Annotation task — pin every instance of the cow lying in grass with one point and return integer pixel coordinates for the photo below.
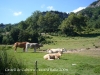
(52, 56)
(56, 50)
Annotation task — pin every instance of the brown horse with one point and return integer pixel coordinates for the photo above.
(20, 44)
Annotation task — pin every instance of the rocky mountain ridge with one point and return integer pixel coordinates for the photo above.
(95, 4)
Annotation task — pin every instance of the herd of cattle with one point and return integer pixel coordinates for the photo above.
(52, 53)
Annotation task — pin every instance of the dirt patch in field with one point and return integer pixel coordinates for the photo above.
(87, 51)
(91, 52)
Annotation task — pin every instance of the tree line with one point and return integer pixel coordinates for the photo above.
(60, 23)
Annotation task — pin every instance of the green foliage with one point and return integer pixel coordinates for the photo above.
(8, 27)
(23, 36)
(53, 23)
(44, 39)
(22, 25)
(32, 21)
(34, 36)
(1, 30)
(9, 64)
(74, 24)
(7, 39)
(49, 22)
(14, 34)
(93, 15)
(2, 27)
(1, 37)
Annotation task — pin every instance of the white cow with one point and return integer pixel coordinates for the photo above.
(52, 56)
(33, 45)
(56, 50)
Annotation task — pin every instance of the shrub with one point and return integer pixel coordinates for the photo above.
(9, 65)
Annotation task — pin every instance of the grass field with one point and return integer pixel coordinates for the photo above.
(86, 62)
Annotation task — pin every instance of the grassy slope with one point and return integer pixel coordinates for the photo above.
(85, 65)
(73, 42)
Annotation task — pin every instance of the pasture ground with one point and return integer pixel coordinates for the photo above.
(83, 57)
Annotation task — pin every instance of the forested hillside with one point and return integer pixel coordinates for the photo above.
(52, 22)
(93, 14)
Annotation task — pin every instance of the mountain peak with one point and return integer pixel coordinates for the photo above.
(95, 4)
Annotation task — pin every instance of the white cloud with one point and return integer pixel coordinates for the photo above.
(43, 5)
(78, 9)
(17, 13)
(67, 12)
(50, 8)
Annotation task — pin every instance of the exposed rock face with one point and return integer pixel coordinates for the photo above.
(95, 4)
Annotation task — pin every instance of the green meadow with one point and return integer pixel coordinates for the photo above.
(86, 62)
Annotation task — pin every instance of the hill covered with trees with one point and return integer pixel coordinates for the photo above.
(93, 14)
(52, 22)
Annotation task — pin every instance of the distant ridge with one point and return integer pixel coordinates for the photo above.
(2, 25)
(95, 4)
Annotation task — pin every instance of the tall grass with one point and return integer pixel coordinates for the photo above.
(9, 64)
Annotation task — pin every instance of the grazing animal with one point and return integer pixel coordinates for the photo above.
(33, 45)
(56, 50)
(52, 56)
(20, 44)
